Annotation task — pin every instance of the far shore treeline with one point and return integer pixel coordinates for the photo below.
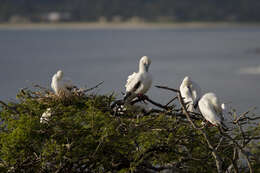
(130, 11)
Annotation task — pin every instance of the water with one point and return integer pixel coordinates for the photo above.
(210, 56)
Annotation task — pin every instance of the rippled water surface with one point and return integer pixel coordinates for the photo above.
(222, 60)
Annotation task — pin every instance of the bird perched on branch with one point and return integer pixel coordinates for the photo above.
(211, 110)
(139, 83)
(191, 93)
(61, 87)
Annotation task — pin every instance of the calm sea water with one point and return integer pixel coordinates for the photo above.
(213, 57)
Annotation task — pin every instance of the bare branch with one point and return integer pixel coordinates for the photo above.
(217, 158)
(167, 88)
(171, 100)
(156, 104)
(96, 86)
(240, 148)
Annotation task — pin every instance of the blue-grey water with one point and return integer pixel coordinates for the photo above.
(223, 60)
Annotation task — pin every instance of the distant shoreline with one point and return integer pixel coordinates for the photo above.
(123, 25)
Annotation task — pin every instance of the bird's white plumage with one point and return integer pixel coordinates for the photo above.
(131, 79)
(61, 86)
(191, 93)
(141, 81)
(211, 109)
(45, 116)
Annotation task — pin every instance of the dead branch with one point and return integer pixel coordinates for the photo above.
(171, 100)
(96, 86)
(241, 148)
(157, 104)
(167, 88)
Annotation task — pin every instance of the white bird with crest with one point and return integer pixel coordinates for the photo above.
(191, 93)
(139, 83)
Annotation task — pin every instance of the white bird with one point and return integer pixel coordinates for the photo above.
(211, 110)
(45, 116)
(61, 87)
(139, 83)
(191, 93)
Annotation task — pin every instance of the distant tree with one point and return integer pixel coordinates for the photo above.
(149, 10)
(85, 134)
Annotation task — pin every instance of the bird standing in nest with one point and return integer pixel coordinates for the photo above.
(61, 87)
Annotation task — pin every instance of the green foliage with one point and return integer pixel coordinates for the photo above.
(82, 134)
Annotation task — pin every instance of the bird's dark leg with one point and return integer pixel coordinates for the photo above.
(208, 124)
(142, 97)
(211, 125)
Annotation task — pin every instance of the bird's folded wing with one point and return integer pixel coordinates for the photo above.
(196, 92)
(186, 95)
(53, 81)
(131, 81)
(213, 114)
(219, 113)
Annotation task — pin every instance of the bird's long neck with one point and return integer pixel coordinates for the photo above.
(142, 68)
(59, 77)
